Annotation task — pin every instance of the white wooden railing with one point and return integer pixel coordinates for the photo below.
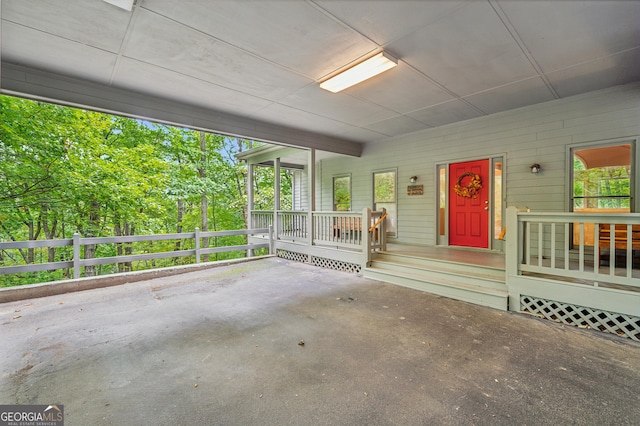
(328, 229)
(558, 245)
(261, 218)
(77, 242)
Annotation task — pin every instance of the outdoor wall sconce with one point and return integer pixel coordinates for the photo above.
(535, 168)
(413, 179)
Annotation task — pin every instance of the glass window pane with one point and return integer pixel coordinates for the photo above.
(384, 197)
(442, 178)
(497, 199)
(601, 178)
(342, 193)
(385, 187)
(601, 183)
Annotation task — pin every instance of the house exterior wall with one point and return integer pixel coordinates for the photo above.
(537, 134)
(300, 190)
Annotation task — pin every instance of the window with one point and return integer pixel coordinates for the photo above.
(497, 198)
(384, 197)
(601, 182)
(342, 193)
(442, 204)
(602, 179)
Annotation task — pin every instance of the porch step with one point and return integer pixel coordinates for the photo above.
(478, 284)
(449, 266)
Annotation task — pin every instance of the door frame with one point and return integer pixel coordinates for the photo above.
(442, 199)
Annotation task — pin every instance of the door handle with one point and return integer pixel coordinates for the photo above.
(486, 208)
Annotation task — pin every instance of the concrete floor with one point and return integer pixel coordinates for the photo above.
(223, 346)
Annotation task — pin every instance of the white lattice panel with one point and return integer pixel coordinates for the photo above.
(320, 261)
(335, 264)
(292, 255)
(610, 322)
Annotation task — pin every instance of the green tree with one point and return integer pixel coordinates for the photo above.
(65, 170)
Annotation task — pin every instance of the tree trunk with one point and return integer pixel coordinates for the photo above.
(181, 209)
(33, 235)
(128, 249)
(50, 232)
(92, 231)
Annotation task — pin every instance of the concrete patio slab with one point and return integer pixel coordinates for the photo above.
(274, 342)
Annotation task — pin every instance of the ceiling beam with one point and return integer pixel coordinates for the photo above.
(30, 83)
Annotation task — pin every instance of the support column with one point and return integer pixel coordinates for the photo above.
(250, 202)
(276, 196)
(311, 175)
(512, 254)
(250, 194)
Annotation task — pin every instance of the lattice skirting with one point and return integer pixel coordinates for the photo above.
(610, 322)
(292, 255)
(320, 261)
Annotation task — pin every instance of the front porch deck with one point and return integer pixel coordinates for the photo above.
(548, 267)
(492, 259)
(495, 259)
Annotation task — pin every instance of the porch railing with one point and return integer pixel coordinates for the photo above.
(568, 246)
(77, 243)
(261, 218)
(329, 229)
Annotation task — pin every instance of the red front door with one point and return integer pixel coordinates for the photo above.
(469, 204)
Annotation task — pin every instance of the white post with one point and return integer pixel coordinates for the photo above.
(366, 241)
(512, 253)
(276, 195)
(76, 255)
(311, 174)
(272, 245)
(383, 232)
(250, 194)
(197, 244)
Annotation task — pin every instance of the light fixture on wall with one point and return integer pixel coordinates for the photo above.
(535, 168)
(413, 179)
(360, 72)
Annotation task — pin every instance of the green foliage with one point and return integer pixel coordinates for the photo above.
(601, 187)
(385, 187)
(66, 170)
(342, 193)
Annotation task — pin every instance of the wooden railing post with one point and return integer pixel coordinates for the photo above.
(512, 246)
(197, 244)
(383, 231)
(76, 255)
(513, 254)
(272, 246)
(366, 240)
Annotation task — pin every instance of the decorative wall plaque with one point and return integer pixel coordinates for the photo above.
(415, 189)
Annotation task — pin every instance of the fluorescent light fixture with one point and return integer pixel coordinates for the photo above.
(361, 72)
(123, 4)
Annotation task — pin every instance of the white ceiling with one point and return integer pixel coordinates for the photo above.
(263, 60)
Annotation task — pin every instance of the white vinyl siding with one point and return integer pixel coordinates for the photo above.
(534, 134)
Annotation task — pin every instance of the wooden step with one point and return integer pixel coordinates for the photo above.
(458, 266)
(477, 278)
(470, 283)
